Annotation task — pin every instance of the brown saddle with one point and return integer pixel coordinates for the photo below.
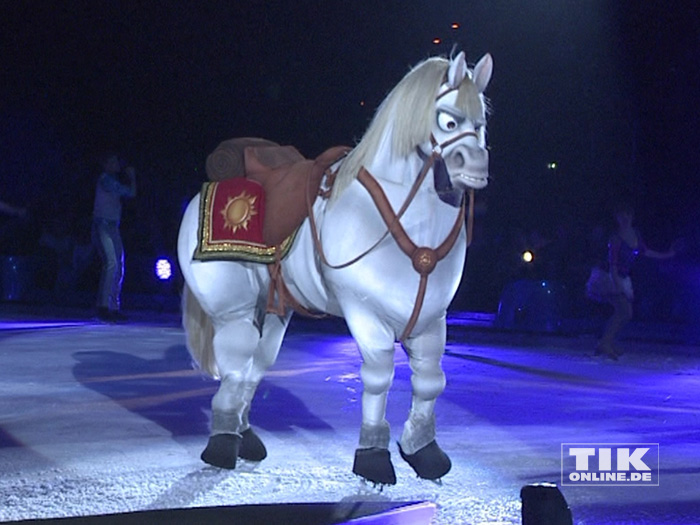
(287, 177)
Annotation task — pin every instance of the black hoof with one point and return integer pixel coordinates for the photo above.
(374, 464)
(430, 462)
(222, 450)
(252, 448)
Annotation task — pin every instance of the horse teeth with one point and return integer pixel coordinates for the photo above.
(469, 180)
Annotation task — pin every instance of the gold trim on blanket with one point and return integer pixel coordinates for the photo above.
(209, 249)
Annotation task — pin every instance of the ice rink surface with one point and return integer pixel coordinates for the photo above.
(100, 418)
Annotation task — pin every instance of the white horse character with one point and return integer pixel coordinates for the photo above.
(385, 252)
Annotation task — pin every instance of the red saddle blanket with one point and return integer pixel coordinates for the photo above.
(257, 199)
(231, 218)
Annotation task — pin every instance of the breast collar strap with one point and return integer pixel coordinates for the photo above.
(424, 259)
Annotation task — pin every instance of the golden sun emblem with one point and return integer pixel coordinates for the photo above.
(238, 211)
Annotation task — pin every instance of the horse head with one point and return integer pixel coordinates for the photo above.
(438, 112)
(458, 136)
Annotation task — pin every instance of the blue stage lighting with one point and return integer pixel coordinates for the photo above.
(163, 269)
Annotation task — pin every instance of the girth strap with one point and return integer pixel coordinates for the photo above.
(424, 259)
(284, 296)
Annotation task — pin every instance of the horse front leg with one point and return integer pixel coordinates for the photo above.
(375, 341)
(418, 445)
(243, 354)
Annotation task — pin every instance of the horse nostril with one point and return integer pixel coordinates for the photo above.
(460, 161)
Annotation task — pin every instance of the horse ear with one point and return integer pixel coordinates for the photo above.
(457, 70)
(482, 72)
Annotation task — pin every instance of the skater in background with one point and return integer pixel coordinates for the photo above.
(624, 247)
(117, 181)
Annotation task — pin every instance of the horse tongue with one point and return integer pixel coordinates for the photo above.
(443, 186)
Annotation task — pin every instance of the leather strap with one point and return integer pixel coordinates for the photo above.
(284, 296)
(427, 164)
(424, 259)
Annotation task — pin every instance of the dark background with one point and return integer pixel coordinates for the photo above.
(606, 89)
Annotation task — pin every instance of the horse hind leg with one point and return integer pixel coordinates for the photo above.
(273, 329)
(243, 354)
(418, 445)
(234, 344)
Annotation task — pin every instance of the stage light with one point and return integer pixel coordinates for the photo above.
(544, 504)
(455, 25)
(552, 166)
(163, 269)
(437, 40)
(528, 256)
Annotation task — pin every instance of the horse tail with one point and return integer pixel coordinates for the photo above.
(200, 333)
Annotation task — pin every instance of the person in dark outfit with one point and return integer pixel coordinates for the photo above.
(624, 247)
(114, 183)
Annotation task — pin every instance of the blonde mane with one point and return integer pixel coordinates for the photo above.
(410, 110)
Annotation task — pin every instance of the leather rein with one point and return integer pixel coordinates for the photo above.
(423, 258)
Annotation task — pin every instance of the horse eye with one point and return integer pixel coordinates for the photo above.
(446, 121)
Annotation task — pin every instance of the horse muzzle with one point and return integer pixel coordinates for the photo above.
(468, 167)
